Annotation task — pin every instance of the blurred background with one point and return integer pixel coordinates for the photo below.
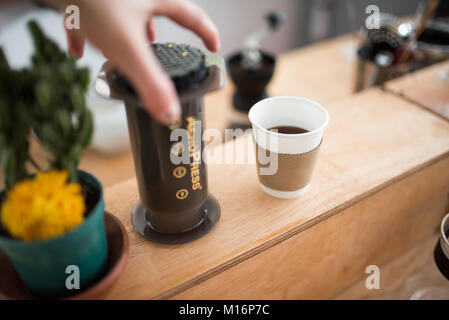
(308, 22)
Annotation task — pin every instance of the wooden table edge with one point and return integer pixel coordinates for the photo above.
(389, 87)
(167, 294)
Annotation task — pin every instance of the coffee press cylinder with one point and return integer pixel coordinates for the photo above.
(175, 205)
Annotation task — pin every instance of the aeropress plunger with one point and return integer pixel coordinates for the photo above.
(175, 205)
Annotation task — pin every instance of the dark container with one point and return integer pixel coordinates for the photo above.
(250, 84)
(433, 44)
(441, 251)
(175, 205)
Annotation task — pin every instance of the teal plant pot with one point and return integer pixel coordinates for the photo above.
(43, 265)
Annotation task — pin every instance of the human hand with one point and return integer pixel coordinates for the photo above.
(122, 30)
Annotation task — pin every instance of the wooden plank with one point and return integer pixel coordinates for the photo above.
(426, 88)
(412, 272)
(108, 169)
(374, 139)
(322, 260)
(323, 72)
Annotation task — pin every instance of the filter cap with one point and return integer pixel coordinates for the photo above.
(184, 64)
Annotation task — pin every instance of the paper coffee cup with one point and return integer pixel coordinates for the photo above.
(285, 162)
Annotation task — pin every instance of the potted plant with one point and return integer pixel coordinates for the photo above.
(51, 222)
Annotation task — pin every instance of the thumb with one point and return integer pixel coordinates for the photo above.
(154, 87)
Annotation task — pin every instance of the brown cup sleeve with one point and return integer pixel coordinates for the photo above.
(294, 171)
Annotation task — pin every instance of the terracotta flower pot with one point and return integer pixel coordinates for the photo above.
(43, 265)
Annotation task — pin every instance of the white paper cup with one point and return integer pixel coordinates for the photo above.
(296, 152)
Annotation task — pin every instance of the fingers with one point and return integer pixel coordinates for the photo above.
(151, 31)
(155, 88)
(192, 17)
(75, 42)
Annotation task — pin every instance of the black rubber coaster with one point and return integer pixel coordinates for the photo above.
(144, 228)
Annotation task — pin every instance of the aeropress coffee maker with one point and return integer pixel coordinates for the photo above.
(175, 206)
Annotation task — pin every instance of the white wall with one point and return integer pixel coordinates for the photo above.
(17, 44)
(235, 19)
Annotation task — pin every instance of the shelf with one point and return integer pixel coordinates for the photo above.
(380, 185)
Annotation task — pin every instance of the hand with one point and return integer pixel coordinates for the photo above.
(122, 30)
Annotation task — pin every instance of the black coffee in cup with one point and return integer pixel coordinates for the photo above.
(288, 130)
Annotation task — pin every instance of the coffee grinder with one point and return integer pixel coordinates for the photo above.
(175, 205)
(252, 69)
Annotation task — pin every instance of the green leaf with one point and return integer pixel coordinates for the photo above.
(44, 95)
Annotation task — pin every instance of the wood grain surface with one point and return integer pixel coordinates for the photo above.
(373, 141)
(412, 274)
(322, 260)
(426, 88)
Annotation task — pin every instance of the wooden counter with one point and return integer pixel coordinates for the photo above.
(412, 275)
(377, 196)
(380, 187)
(426, 88)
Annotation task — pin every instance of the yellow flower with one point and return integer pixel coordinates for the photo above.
(44, 207)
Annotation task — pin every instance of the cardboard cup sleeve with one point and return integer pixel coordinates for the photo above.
(294, 171)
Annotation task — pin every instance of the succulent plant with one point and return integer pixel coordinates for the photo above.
(48, 98)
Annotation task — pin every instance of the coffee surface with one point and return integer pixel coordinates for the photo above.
(289, 129)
